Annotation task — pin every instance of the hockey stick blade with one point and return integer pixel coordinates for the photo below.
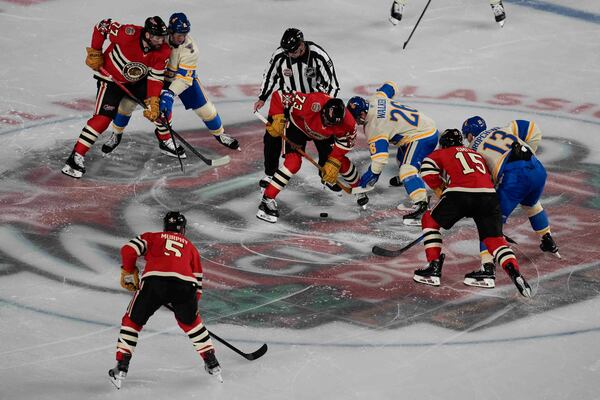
(217, 162)
(382, 251)
(360, 189)
(248, 356)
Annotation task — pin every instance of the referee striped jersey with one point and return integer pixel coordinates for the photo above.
(312, 72)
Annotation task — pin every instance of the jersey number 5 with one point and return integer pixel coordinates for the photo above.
(475, 158)
(172, 248)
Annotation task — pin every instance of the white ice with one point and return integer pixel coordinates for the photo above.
(57, 340)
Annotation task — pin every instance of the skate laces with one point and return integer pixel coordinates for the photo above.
(271, 204)
(498, 9)
(169, 143)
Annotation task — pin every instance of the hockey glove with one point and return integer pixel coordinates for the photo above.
(94, 58)
(166, 101)
(276, 127)
(369, 178)
(152, 109)
(331, 170)
(130, 280)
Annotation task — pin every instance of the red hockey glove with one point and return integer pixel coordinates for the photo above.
(94, 58)
(153, 109)
(276, 127)
(130, 280)
(331, 170)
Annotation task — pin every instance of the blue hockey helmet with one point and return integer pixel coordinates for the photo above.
(357, 105)
(451, 137)
(179, 23)
(474, 125)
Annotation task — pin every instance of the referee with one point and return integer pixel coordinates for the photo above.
(297, 65)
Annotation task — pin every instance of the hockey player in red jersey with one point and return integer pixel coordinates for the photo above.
(172, 275)
(461, 178)
(136, 57)
(312, 116)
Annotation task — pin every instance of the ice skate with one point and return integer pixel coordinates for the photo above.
(432, 274)
(520, 282)
(548, 245)
(395, 181)
(211, 365)
(228, 141)
(267, 210)
(119, 372)
(167, 147)
(362, 199)
(499, 13)
(112, 142)
(484, 278)
(396, 12)
(414, 218)
(74, 166)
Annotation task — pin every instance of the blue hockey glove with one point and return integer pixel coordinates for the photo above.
(369, 178)
(166, 101)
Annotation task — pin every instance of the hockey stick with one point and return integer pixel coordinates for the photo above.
(215, 163)
(296, 147)
(248, 356)
(168, 125)
(381, 251)
(417, 24)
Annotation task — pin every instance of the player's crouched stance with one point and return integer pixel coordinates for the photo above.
(172, 276)
(467, 192)
(136, 57)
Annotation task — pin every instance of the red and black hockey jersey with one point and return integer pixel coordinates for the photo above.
(305, 114)
(126, 58)
(167, 254)
(458, 169)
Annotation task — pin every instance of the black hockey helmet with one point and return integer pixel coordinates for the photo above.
(291, 39)
(174, 221)
(451, 137)
(333, 112)
(155, 26)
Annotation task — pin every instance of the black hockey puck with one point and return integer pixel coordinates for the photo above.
(324, 215)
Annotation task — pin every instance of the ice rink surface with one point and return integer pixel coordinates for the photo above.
(340, 322)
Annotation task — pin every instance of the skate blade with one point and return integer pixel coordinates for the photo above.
(432, 280)
(485, 283)
(557, 255)
(116, 382)
(71, 172)
(501, 23)
(266, 217)
(168, 153)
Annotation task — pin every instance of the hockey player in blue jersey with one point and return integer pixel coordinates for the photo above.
(386, 122)
(181, 80)
(520, 177)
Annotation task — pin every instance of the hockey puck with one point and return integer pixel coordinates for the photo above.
(324, 215)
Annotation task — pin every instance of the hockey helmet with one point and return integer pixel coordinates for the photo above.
(333, 112)
(174, 221)
(474, 125)
(357, 105)
(291, 39)
(451, 137)
(179, 23)
(155, 26)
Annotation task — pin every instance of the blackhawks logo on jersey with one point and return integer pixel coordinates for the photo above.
(134, 71)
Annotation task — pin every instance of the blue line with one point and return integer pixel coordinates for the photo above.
(337, 345)
(558, 9)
